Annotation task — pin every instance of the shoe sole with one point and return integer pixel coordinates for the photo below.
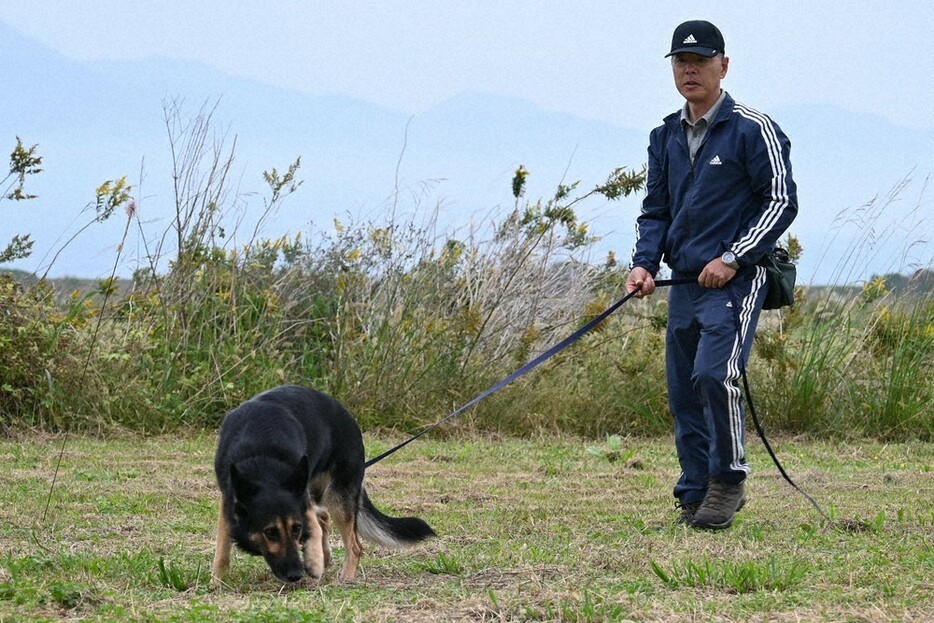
(719, 526)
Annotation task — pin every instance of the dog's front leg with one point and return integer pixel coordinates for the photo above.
(222, 545)
(314, 550)
(324, 520)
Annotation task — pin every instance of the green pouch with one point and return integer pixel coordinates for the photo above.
(780, 274)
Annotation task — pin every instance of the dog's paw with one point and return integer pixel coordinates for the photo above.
(315, 570)
(346, 577)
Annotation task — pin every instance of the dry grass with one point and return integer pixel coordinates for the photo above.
(531, 530)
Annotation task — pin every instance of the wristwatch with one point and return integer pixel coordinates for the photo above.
(729, 258)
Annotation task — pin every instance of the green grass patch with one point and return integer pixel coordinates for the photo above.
(736, 576)
(547, 529)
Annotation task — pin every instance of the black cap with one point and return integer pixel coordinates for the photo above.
(697, 37)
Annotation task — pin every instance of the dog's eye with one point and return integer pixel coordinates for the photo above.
(296, 531)
(271, 533)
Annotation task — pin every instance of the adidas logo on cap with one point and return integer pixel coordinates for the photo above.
(690, 39)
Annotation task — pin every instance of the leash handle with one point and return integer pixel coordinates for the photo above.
(678, 281)
(529, 366)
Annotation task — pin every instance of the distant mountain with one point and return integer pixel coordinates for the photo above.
(99, 120)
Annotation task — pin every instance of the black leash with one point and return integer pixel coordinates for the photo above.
(530, 365)
(755, 418)
(580, 333)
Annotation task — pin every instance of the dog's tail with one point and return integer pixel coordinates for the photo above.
(394, 532)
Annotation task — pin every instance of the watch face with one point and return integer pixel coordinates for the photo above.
(729, 257)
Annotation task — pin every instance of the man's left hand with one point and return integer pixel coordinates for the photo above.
(716, 274)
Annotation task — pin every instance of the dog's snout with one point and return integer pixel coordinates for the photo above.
(294, 575)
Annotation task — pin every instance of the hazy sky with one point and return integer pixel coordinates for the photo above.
(601, 60)
(598, 59)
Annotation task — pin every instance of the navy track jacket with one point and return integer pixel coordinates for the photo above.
(738, 194)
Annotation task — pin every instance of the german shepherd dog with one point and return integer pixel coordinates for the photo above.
(287, 461)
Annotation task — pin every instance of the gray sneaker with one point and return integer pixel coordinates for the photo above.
(720, 504)
(686, 515)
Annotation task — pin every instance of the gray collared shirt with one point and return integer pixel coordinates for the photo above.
(695, 132)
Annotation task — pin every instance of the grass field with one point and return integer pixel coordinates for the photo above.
(552, 529)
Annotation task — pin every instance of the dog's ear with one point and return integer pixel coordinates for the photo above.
(243, 488)
(298, 479)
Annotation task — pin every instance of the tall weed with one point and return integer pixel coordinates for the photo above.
(404, 322)
(852, 360)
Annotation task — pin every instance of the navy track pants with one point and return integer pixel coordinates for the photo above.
(704, 391)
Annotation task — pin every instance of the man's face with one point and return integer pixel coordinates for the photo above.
(698, 77)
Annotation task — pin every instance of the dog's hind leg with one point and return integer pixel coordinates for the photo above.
(353, 549)
(222, 545)
(314, 549)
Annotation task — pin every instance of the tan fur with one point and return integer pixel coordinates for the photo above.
(222, 548)
(315, 559)
(316, 551)
(324, 521)
(275, 546)
(353, 548)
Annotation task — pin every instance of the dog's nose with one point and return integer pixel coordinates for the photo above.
(294, 575)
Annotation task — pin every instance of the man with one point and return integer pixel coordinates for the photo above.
(719, 194)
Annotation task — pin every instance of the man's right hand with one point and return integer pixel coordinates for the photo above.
(639, 276)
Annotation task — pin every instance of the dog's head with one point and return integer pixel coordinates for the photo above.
(270, 518)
